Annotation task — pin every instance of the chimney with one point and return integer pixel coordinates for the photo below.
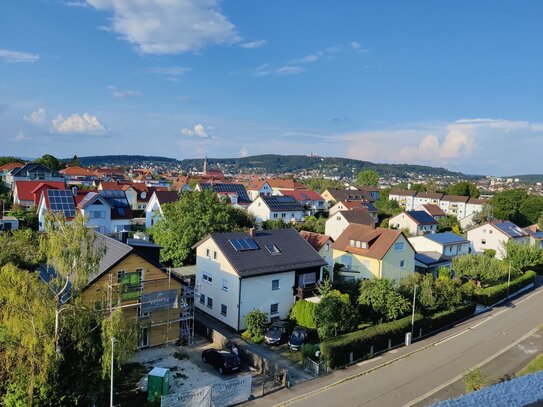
(124, 236)
(74, 191)
(251, 231)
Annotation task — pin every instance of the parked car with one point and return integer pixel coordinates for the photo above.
(277, 333)
(297, 338)
(222, 360)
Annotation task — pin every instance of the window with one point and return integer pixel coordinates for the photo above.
(327, 247)
(97, 215)
(275, 284)
(483, 241)
(209, 302)
(224, 310)
(274, 309)
(207, 252)
(398, 247)
(308, 279)
(202, 299)
(283, 215)
(351, 242)
(358, 243)
(225, 285)
(364, 245)
(214, 255)
(275, 215)
(402, 264)
(484, 230)
(207, 277)
(338, 217)
(490, 231)
(273, 249)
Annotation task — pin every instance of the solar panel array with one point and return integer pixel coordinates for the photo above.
(244, 244)
(116, 198)
(282, 203)
(87, 198)
(237, 188)
(61, 200)
(511, 229)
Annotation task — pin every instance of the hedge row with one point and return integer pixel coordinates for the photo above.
(336, 351)
(491, 295)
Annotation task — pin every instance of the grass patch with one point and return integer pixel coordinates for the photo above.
(181, 356)
(535, 365)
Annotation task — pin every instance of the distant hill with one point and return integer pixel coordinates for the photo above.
(273, 163)
(528, 178)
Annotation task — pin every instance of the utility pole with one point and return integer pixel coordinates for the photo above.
(413, 313)
(112, 367)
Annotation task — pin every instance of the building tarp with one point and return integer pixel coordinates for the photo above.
(159, 300)
(130, 286)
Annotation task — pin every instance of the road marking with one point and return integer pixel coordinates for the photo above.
(477, 366)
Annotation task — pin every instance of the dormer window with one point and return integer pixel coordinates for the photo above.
(357, 243)
(351, 243)
(364, 245)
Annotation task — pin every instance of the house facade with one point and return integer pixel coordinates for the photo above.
(422, 198)
(275, 207)
(153, 211)
(405, 198)
(417, 222)
(447, 244)
(237, 272)
(27, 193)
(369, 253)
(32, 172)
(311, 201)
(336, 224)
(494, 235)
(257, 188)
(322, 245)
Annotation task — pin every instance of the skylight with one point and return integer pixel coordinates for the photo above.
(273, 249)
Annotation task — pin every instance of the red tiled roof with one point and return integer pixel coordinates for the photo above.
(302, 195)
(77, 170)
(10, 166)
(25, 188)
(286, 183)
(111, 186)
(316, 240)
(255, 185)
(379, 240)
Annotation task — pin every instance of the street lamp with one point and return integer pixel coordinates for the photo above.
(413, 313)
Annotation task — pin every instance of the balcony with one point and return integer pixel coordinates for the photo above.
(305, 292)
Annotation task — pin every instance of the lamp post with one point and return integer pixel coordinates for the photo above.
(112, 367)
(413, 313)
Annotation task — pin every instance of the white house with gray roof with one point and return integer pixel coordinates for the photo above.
(494, 235)
(275, 207)
(237, 272)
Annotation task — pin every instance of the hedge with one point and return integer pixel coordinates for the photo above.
(336, 351)
(491, 295)
(304, 313)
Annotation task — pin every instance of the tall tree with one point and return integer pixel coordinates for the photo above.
(334, 314)
(382, 300)
(75, 161)
(188, 220)
(368, 178)
(506, 205)
(49, 161)
(463, 188)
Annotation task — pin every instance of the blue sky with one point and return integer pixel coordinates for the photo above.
(455, 84)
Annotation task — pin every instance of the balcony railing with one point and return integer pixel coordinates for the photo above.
(306, 292)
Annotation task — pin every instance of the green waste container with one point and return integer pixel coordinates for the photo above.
(158, 383)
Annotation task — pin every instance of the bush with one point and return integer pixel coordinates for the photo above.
(256, 322)
(490, 253)
(336, 351)
(308, 351)
(444, 318)
(304, 313)
(491, 295)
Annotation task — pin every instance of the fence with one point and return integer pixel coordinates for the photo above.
(316, 368)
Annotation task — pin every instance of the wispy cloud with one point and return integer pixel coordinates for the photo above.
(267, 69)
(122, 93)
(253, 44)
(243, 152)
(78, 4)
(169, 27)
(289, 70)
(38, 117)
(11, 56)
(357, 47)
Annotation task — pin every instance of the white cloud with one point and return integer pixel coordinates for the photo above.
(263, 70)
(18, 56)
(254, 44)
(290, 70)
(164, 27)
(38, 117)
(199, 130)
(243, 152)
(122, 93)
(20, 136)
(357, 47)
(79, 4)
(82, 124)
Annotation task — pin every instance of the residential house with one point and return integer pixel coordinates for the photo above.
(417, 222)
(27, 193)
(131, 277)
(422, 198)
(309, 199)
(237, 272)
(367, 253)
(79, 175)
(446, 243)
(235, 194)
(7, 222)
(275, 207)
(405, 198)
(110, 174)
(332, 196)
(536, 235)
(454, 205)
(322, 245)
(473, 207)
(348, 205)
(429, 262)
(373, 192)
(6, 168)
(335, 225)
(129, 190)
(153, 211)
(32, 172)
(494, 235)
(432, 209)
(257, 188)
(278, 184)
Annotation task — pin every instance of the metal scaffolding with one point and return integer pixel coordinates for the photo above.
(186, 333)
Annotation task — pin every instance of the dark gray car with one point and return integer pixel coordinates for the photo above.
(276, 334)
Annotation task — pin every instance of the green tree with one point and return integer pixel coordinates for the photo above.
(304, 313)
(271, 224)
(446, 223)
(188, 220)
(530, 210)
(21, 248)
(386, 207)
(256, 321)
(368, 178)
(7, 160)
(483, 268)
(49, 161)
(312, 224)
(322, 184)
(382, 300)
(75, 161)
(522, 256)
(507, 205)
(540, 221)
(334, 314)
(124, 335)
(463, 188)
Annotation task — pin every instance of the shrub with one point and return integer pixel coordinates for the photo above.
(493, 294)
(475, 380)
(304, 313)
(444, 318)
(256, 322)
(308, 351)
(490, 253)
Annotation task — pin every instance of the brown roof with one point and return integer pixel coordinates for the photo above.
(358, 217)
(402, 192)
(285, 183)
(316, 240)
(255, 185)
(379, 240)
(351, 194)
(455, 198)
(77, 170)
(476, 201)
(167, 196)
(433, 210)
(10, 166)
(430, 195)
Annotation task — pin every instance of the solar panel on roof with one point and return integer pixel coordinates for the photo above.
(61, 200)
(244, 244)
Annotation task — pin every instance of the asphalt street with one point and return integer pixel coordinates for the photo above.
(415, 375)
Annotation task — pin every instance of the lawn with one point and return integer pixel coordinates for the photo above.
(534, 366)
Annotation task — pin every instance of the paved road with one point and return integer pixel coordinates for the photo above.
(414, 379)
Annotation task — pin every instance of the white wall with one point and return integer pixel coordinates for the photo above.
(422, 244)
(493, 239)
(390, 264)
(408, 202)
(335, 225)
(103, 224)
(152, 212)
(262, 213)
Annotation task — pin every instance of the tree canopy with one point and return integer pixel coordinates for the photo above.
(191, 218)
(382, 301)
(334, 314)
(7, 160)
(463, 188)
(368, 178)
(517, 206)
(50, 161)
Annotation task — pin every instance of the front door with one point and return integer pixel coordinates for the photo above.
(144, 337)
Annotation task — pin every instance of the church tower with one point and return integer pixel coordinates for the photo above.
(205, 166)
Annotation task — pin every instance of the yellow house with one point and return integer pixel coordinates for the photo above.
(373, 253)
(130, 276)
